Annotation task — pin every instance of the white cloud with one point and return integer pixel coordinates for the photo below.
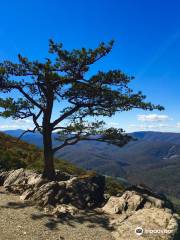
(178, 125)
(16, 124)
(8, 127)
(26, 121)
(153, 118)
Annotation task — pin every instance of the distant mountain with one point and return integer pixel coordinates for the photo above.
(29, 137)
(154, 159)
(158, 136)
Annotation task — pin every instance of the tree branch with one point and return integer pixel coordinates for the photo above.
(35, 118)
(67, 143)
(28, 97)
(65, 115)
(32, 131)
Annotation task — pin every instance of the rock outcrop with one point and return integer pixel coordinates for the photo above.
(146, 224)
(82, 192)
(3, 176)
(136, 198)
(138, 213)
(64, 210)
(141, 214)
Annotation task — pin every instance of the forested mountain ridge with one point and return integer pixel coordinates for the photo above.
(154, 159)
(20, 154)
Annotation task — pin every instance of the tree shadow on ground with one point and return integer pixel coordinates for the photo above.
(16, 205)
(1, 192)
(91, 219)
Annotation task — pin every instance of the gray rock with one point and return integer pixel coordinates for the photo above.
(87, 191)
(153, 223)
(135, 199)
(82, 192)
(15, 180)
(141, 214)
(3, 176)
(26, 195)
(64, 210)
(62, 176)
(46, 194)
(20, 180)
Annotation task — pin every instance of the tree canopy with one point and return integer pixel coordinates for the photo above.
(61, 82)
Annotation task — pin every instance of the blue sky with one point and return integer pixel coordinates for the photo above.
(147, 45)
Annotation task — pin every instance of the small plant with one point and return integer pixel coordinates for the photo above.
(113, 186)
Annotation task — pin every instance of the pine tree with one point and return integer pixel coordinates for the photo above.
(60, 82)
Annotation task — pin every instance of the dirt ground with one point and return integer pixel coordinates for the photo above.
(18, 221)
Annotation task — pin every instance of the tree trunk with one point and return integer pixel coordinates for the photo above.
(49, 171)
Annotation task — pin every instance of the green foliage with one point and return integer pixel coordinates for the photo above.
(20, 154)
(113, 186)
(8, 162)
(62, 77)
(176, 203)
(14, 155)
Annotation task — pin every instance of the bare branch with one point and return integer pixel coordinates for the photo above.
(65, 115)
(28, 97)
(35, 118)
(32, 131)
(59, 128)
(67, 142)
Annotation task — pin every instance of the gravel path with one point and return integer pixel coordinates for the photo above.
(21, 222)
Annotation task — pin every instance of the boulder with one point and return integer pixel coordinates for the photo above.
(27, 194)
(64, 210)
(15, 179)
(141, 214)
(34, 179)
(136, 198)
(45, 194)
(82, 192)
(3, 176)
(20, 180)
(153, 223)
(87, 191)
